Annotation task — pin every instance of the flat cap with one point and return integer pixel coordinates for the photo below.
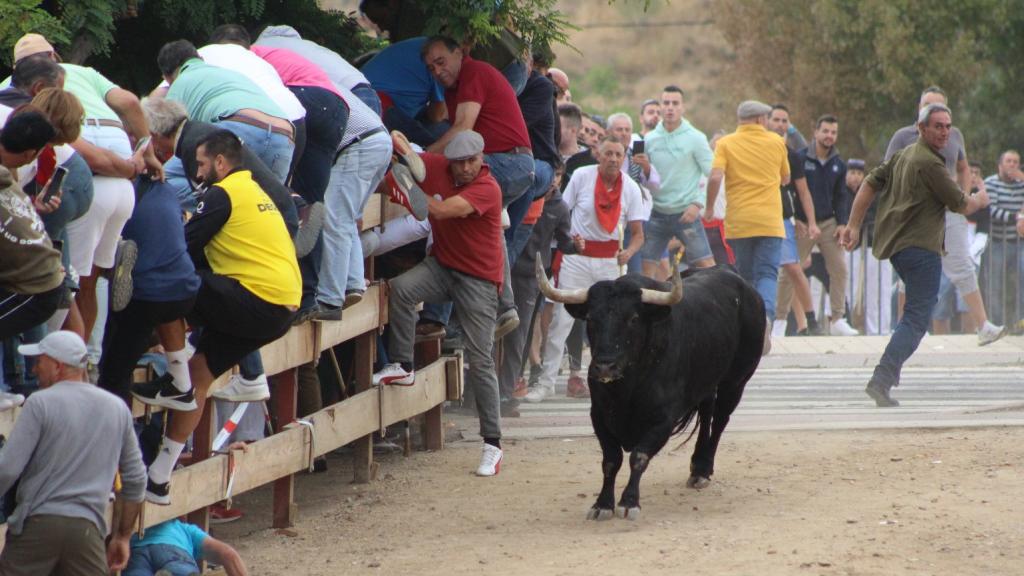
(752, 109)
(463, 145)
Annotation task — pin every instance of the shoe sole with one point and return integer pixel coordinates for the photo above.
(305, 238)
(166, 403)
(254, 397)
(409, 158)
(1003, 332)
(396, 382)
(157, 499)
(121, 285)
(224, 520)
(505, 328)
(351, 300)
(416, 198)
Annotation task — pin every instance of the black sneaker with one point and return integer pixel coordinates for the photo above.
(327, 312)
(159, 494)
(880, 394)
(161, 392)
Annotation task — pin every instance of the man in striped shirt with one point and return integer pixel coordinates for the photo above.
(1005, 263)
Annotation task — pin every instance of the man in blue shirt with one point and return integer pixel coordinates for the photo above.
(412, 100)
(176, 548)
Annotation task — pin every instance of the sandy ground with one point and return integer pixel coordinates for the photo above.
(853, 503)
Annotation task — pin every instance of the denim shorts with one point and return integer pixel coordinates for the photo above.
(662, 227)
(790, 255)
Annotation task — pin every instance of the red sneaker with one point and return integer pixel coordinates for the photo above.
(220, 514)
(407, 156)
(521, 388)
(577, 388)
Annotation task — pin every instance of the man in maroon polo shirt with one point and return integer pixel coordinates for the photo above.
(465, 265)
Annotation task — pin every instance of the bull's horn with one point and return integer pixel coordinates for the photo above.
(555, 294)
(664, 298)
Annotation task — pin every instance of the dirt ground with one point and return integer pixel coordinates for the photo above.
(929, 502)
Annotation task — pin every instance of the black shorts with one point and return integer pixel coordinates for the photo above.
(20, 312)
(235, 321)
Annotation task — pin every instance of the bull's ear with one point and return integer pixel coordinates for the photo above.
(656, 312)
(578, 311)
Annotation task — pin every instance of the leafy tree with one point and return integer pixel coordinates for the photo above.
(868, 60)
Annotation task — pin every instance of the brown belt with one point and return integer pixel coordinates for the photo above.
(103, 122)
(260, 124)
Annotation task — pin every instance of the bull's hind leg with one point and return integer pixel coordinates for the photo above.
(700, 467)
(730, 390)
(611, 461)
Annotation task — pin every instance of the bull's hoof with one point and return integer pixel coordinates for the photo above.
(632, 513)
(600, 514)
(698, 482)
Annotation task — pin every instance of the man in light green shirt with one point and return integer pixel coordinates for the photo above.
(681, 155)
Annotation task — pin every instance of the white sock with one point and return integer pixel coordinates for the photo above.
(160, 469)
(177, 365)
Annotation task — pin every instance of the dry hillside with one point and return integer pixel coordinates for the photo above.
(622, 55)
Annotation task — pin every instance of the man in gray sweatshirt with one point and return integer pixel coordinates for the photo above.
(68, 443)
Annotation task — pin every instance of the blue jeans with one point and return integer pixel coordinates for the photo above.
(543, 174)
(275, 150)
(146, 560)
(326, 117)
(757, 260)
(921, 271)
(368, 95)
(355, 176)
(662, 227)
(514, 173)
(517, 75)
(636, 263)
(174, 174)
(75, 198)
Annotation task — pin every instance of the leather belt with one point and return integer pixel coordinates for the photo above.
(359, 138)
(103, 122)
(242, 118)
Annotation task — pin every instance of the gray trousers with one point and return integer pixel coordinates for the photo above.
(514, 344)
(476, 303)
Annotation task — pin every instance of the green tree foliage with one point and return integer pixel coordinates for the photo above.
(18, 17)
(537, 22)
(868, 60)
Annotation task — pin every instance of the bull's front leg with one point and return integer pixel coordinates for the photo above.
(611, 462)
(629, 504)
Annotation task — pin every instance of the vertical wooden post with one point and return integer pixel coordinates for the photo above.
(285, 401)
(427, 352)
(362, 454)
(202, 438)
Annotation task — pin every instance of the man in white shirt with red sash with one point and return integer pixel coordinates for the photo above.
(603, 202)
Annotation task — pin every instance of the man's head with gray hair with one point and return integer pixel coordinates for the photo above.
(934, 124)
(931, 95)
(925, 114)
(164, 117)
(621, 125)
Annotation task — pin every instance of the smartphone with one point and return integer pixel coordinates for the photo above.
(638, 147)
(55, 183)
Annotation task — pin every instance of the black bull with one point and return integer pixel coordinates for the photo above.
(657, 359)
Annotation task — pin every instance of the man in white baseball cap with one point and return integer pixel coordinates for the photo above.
(68, 442)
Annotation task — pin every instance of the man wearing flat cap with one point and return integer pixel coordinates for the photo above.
(465, 265)
(754, 163)
(68, 443)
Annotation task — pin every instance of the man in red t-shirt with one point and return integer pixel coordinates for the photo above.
(479, 98)
(465, 265)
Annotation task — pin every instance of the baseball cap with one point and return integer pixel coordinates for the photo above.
(63, 346)
(855, 164)
(465, 144)
(752, 109)
(30, 44)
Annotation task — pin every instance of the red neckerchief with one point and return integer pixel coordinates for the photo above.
(608, 203)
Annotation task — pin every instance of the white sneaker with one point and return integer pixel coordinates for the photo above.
(9, 401)
(537, 394)
(490, 461)
(842, 328)
(779, 328)
(241, 390)
(989, 333)
(394, 375)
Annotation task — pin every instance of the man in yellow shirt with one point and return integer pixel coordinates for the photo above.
(250, 284)
(754, 164)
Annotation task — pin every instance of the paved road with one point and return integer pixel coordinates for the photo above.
(818, 384)
(828, 399)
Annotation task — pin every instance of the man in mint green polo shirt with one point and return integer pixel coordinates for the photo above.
(230, 100)
(681, 155)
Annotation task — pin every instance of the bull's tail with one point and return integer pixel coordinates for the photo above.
(684, 421)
